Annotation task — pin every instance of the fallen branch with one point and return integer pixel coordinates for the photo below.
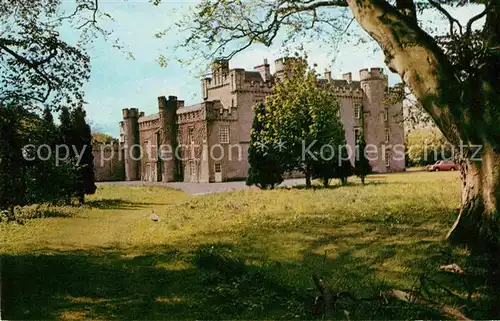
(444, 309)
(329, 298)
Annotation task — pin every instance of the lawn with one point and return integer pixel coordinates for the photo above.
(242, 254)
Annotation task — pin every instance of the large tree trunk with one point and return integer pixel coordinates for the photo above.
(426, 70)
(478, 222)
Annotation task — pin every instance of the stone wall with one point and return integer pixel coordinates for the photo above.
(108, 162)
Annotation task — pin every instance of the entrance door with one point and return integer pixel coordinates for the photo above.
(218, 172)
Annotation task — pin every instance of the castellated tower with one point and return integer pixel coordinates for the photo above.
(131, 144)
(283, 66)
(168, 166)
(376, 122)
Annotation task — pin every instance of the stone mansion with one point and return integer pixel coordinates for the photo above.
(208, 142)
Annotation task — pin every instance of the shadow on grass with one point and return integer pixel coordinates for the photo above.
(210, 283)
(214, 281)
(335, 186)
(113, 204)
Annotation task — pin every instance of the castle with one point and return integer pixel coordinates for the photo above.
(208, 142)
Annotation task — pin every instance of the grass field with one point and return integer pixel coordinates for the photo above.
(245, 254)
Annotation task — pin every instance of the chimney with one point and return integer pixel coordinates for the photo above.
(264, 70)
(348, 77)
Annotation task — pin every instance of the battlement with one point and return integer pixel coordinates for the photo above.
(130, 113)
(348, 91)
(372, 73)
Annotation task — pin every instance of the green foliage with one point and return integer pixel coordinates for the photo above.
(265, 169)
(361, 164)
(302, 123)
(101, 138)
(82, 142)
(38, 163)
(426, 146)
(11, 159)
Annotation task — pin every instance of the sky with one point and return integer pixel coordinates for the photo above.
(119, 81)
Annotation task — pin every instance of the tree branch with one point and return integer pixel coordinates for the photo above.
(474, 19)
(312, 6)
(451, 19)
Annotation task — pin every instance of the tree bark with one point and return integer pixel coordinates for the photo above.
(478, 219)
(308, 176)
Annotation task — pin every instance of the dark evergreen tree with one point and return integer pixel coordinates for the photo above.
(81, 137)
(343, 168)
(12, 187)
(362, 165)
(265, 170)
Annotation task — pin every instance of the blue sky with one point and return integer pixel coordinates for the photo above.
(118, 82)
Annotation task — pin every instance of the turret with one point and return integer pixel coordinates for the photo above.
(373, 84)
(284, 65)
(220, 69)
(328, 75)
(168, 142)
(347, 77)
(131, 144)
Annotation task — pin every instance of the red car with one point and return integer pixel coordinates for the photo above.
(443, 166)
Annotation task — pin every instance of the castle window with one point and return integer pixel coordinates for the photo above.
(192, 169)
(190, 134)
(386, 114)
(357, 133)
(217, 167)
(357, 111)
(387, 159)
(147, 145)
(387, 135)
(224, 134)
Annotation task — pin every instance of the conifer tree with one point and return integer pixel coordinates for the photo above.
(12, 187)
(362, 165)
(265, 170)
(81, 137)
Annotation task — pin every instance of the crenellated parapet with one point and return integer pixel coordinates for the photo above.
(130, 113)
(191, 114)
(371, 74)
(215, 111)
(149, 122)
(348, 92)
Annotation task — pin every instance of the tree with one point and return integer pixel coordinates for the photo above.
(361, 164)
(454, 76)
(81, 138)
(101, 138)
(426, 146)
(265, 169)
(48, 178)
(11, 160)
(302, 119)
